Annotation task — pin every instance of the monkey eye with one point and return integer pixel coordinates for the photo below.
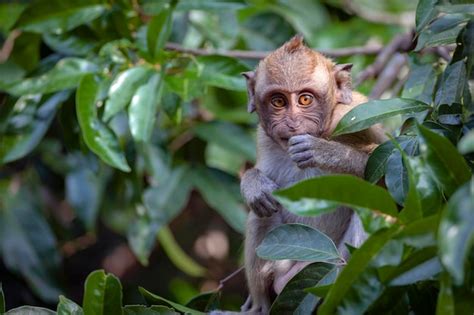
(305, 99)
(278, 101)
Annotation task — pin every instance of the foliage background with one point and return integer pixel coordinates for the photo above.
(118, 153)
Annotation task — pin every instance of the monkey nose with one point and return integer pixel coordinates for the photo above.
(293, 126)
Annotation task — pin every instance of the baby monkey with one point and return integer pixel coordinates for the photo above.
(299, 96)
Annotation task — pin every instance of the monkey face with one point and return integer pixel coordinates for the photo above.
(284, 114)
(295, 90)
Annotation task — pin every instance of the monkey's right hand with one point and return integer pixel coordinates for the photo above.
(256, 189)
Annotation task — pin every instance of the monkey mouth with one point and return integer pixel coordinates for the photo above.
(284, 139)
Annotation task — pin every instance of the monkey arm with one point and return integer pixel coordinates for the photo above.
(308, 151)
(256, 189)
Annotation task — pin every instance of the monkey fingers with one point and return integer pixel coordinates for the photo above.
(303, 159)
(299, 147)
(265, 205)
(276, 206)
(306, 138)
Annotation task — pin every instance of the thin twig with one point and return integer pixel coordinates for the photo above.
(369, 49)
(8, 45)
(400, 43)
(180, 141)
(388, 75)
(233, 274)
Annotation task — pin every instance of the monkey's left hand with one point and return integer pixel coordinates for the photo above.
(309, 151)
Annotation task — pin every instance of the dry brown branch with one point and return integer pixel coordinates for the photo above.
(233, 274)
(400, 43)
(388, 75)
(368, 49)
(8, 45)
(71, 247)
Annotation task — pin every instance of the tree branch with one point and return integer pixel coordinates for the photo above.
(400, 43)
(388, 75)
(8, 45)
(368, 49)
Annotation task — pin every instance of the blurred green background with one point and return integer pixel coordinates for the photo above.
(138, 173)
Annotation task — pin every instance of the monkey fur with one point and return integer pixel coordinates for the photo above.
(299, 96)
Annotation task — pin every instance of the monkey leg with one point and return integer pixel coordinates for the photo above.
(259, 272)
(285, 271)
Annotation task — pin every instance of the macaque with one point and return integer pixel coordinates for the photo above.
(299, 96)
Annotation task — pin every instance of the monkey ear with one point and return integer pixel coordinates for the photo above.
(250, 79)
(344, 83)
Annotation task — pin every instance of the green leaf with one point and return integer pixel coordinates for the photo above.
(298, 242)
(359, 261)
(98, 137)
(102, 294)
(35, 258)
(376, 165)
(143, 108)
(456, 231)
(421, 233)
(9, 13)
(307, 17)
(2, 300)
(421, 82)
(452, 84)
(466, 144)
(205, 302)
(159, 30)
(83, 192)
(344, 189)
(423, 271)
(448, 167)
(66, 74)
(457, 8)
(179, 258)
(372, 112)
(30, 310)
(445, 303)
(58, 16)
(425, 13)
(294, 299)
(70, 44)
(163, 203)
(16, 146)
(307, 206)
(68, 307)
(430, 38)
(153, 299)
(152, 310)
(396, 178)
(223, 72)
(122, 89)
(221, 195)
(210, 5)
(465, 47)
(413, 209)
(228, 136)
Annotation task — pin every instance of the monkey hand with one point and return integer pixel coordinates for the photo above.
(257, 191)
(309, 151)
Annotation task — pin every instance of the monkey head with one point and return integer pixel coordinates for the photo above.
(295, 89)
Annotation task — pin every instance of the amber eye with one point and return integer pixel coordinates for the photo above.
(305, 99)
(278, 101)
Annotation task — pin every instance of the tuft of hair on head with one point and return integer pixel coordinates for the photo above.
(294, 44)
